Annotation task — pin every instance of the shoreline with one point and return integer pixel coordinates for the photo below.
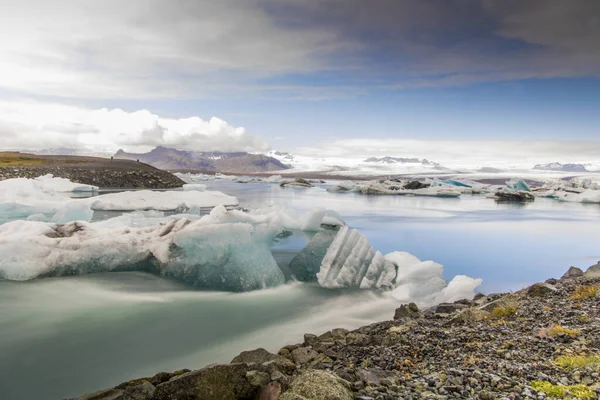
(532, 343)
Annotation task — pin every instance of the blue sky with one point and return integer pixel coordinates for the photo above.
(291, 74)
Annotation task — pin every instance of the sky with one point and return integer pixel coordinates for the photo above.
(418, 78)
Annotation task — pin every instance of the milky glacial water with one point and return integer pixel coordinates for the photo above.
(61, 337)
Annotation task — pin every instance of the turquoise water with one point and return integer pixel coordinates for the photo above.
(61, 337)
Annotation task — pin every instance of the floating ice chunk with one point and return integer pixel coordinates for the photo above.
(350, 261)
(589, 196)
(345, 186)
(21, 198)
(49, 182)
(219, 256)
(226, 256)
(273, 179)
(312, 220)
(454, 182)
(73, 211)
(161, 201)
(518, 184)
(422, 281)
(306, 264)
(194, 186)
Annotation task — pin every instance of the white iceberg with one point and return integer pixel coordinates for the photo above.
(21, 198)
(230, 256)
(350, 261)
(49, 182)
(194, 186)
(160, 201)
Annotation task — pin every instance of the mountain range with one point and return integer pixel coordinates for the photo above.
(180, 160)
(556, 166)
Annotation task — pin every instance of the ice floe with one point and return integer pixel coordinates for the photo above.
(160, 201)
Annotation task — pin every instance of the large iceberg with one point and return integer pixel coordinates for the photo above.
(64, 185)
(229, 256)
(225, 250)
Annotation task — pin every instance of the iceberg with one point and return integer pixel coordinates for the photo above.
(350, 261)
(21, 198)
(518, 184)
(345, 186)
(194, 186)
(49, 182)
(306, 264)
(160, 201)
(224, 250)
(230, 256)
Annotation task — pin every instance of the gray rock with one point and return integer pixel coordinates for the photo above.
(407, 311)
(573, 272)
(377, 377)
(257, 356)
(307, 263)
(540, 289)
(470, 315)
(448, 308)
(110, 394)
(258, 378)
(359, 339)
(143, 391)
(219, 382)
(271, 391)
(318, 385)
(593, 271)
(304, 355)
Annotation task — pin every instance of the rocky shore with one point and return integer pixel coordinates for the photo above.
(541, 342)
(102, 172)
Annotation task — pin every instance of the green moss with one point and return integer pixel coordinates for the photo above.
(574, 362)
(563, 392)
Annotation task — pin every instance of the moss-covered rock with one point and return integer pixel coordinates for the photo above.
(318, 385)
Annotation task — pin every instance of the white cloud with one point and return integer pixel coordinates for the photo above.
(462, 153)
(34, 126)
(148, 48)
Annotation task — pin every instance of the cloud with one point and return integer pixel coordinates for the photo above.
(461, 153)
(143, 49)
(34, 126)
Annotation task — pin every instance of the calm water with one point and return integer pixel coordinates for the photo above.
(61, 337)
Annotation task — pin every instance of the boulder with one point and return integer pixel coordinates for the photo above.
(109, 394)
(257, 356)
(407, 311)
(318, 385)
(358, 339)
(470, 315)
(593, 271)
(377, 377)
(448, 308)
(573, 272)
(272, 391)
(540, 289)
(218, 382)
(304, 355)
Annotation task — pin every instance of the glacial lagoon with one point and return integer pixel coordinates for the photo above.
(61, 337)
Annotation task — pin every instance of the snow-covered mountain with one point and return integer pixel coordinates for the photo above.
(556, 166)
(179, 160)
(355, 166)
